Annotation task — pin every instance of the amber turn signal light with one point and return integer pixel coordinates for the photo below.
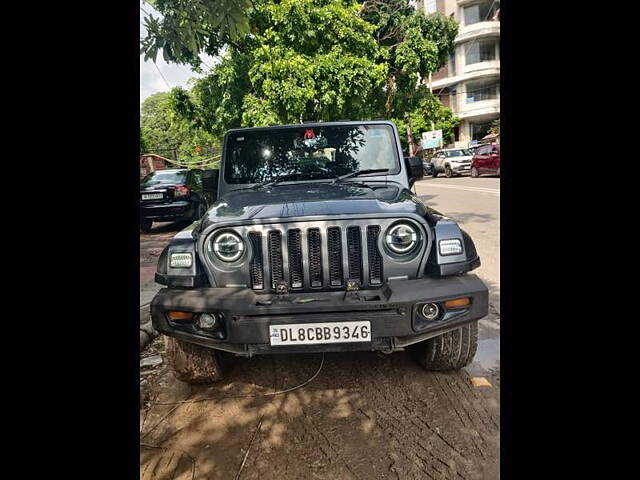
(458, 302)
(180, 315)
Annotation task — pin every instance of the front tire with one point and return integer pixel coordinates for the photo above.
(192, 363)
(448, 172)
(474, 172)
(145, 225)
(449, 351)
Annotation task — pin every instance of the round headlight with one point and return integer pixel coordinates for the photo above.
(402, 238)
(227, 246)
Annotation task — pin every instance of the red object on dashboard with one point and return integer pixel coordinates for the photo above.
(308, 133)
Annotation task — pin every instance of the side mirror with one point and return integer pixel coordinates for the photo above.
(210, 183)
(415, 169)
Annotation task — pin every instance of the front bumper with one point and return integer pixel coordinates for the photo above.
(460, 169)
(392, 311)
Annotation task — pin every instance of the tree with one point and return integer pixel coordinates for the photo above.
(495, 127)
(165, 133)
(305, 60)
(308, 60)
(188, 28)
(416, 45)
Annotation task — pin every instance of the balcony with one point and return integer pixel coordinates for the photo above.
(478, 109)
(475, 71)
(478, 30)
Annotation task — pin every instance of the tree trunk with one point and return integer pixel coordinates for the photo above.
(412, 145)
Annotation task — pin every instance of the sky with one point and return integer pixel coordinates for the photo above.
(175, 75)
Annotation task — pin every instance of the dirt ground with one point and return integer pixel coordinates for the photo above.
(365, 415)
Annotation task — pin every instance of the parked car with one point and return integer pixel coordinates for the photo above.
(427, 167)
(169, 195)
(486, 160)
(451, 162)
(315, 243)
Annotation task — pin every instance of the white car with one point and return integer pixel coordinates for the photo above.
(452, 162)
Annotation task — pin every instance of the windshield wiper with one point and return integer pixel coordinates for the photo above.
(360, 172)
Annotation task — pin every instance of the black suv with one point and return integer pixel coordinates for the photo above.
(169, 195)
(315, 243)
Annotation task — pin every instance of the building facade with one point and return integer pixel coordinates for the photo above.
(469, 83)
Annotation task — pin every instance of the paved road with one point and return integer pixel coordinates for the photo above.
(366, 415)
(475, 204)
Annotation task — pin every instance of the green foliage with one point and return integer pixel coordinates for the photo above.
(164, 132)
(429, 110)
(305, 60)
(189, 27)
(495, 127)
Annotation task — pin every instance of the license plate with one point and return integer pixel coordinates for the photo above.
(151, 196)
(315, 333)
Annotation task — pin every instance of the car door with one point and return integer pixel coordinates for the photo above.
(481, 159)
(494, 158)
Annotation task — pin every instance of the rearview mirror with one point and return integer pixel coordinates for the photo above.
(210, 183)
(415, 170)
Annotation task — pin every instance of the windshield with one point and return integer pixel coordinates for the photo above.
(308, 153)
(160, 178)
(458, 153)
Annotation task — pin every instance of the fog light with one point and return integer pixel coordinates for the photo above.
(180, 316)
(430, 311)
(207, 321)
(458, 302)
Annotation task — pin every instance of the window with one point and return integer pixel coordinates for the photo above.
(431, 6)
(452, 65)
(481, 51)
(480, 12)
(165, 177)
(476, 92)
(303, 153)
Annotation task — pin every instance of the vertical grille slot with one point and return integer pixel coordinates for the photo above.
(275, 257)
(375, 259)
(334, 244)
(294, 246)
(315, 257)
(354, 250)
(256, 266)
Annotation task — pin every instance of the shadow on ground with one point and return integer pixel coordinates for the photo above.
(366, 415)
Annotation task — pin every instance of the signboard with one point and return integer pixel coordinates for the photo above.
(432, 139)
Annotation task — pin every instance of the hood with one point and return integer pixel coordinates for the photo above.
(314, 199)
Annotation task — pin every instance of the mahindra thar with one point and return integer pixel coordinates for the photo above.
(316, 243)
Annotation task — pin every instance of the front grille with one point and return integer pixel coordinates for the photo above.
(354, 248)
(375, 259)
(314, 256)
(275, 257)
(256, 266)
(294, 246)
(334, 243)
